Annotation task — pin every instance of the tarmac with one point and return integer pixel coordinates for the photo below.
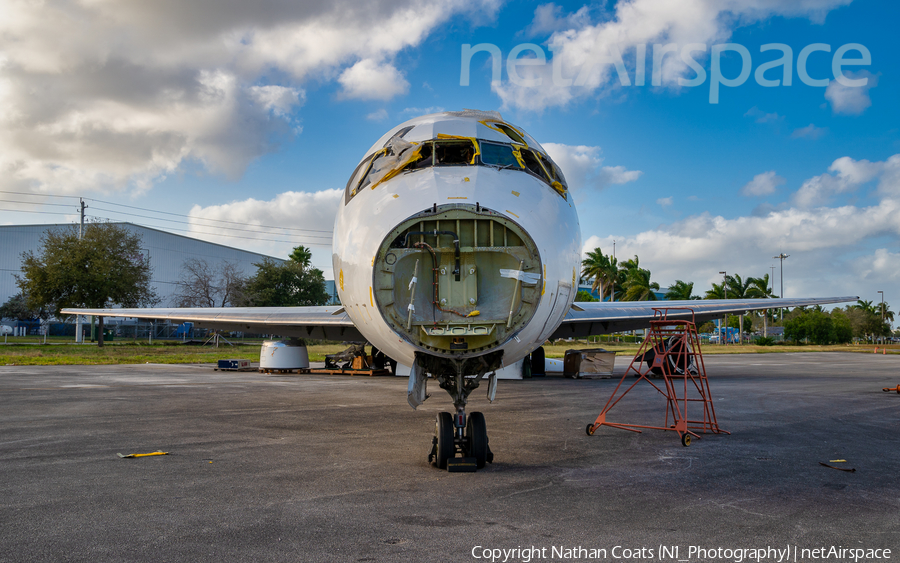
(334, 468)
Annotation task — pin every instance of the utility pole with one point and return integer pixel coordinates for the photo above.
(725, 293)
(79, 338)
(612, 296)
(781, 257)
(882, 309)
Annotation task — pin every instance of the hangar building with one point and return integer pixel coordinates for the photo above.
(167, 253)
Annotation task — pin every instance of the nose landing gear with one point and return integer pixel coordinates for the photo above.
(460, 435)
(460, 442)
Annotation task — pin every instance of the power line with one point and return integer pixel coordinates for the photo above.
(199, 218)
(150, 211)
(37, 195)
(189, 223)
(40, 212)
(213, 234)
(33, 203)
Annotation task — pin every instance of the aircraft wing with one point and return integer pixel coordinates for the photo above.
(605, 317)
(328, 323)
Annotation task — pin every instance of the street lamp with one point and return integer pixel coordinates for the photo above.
(725, 294)
(882, 310)
(781, 257)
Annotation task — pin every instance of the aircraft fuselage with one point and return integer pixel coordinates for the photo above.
(465, 249)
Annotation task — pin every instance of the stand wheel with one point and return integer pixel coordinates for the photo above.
(685, 439)
(589, 429)
(476, 431)
(443, 433)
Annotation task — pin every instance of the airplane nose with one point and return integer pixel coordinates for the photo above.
(457, 279)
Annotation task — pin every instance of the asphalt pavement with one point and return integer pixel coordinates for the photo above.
(334, 468)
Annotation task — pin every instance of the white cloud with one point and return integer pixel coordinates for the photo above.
(846, 176)
(851, 100)
(421, 111)
(889, 184)
(379, 115)
(762, 117)
(583, 167)
(295, 218)
(101, 96)
(579, 49)
(824, 243)
(371, 80)
(280, 100)
(548, 18)
(665, 201)
(809, 132)
(762, 184)
(883, 265)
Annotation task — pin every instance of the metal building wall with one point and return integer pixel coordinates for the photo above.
(167, 252)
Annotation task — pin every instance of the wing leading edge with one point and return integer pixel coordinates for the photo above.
(328, 323)
(602, 318)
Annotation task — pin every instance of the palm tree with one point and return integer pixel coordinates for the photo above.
(637, 284)
(759, 289)
(737, 289)
(884, 309)
(866, 306)
(681, 290)
(602, 269)
(717, 291)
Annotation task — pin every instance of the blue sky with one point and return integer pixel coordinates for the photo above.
(226, 114)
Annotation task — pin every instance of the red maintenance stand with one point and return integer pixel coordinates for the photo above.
(670, 351)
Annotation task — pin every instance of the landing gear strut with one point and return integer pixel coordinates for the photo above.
(462, 435)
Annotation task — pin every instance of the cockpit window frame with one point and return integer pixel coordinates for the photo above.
(528, 159)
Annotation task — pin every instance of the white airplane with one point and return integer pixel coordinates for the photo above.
(457, 251)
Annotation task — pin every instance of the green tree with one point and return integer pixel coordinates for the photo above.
(865, 306)
(106, 267)
(737, 287)
(636, 283)
(301, 255)
(584, 297)
(865, 317)
(717, 291)
(16, 307)
(843, 329)
(681, 290)
(818, 327)
(884, 309)
(293, 283)
(602, 269)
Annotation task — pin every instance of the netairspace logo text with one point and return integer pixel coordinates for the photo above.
(768, 554)
(608, 58)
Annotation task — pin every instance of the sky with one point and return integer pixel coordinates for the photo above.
(700, 135)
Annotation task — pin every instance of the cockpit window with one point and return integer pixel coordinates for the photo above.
(426, 157)
(357, 175)
(555, 173)
(496, 154)
(534, 166)
(401, 133)
(454, 153)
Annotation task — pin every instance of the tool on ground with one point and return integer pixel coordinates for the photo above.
(848, 470)
(123, 456)
(897, 389)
